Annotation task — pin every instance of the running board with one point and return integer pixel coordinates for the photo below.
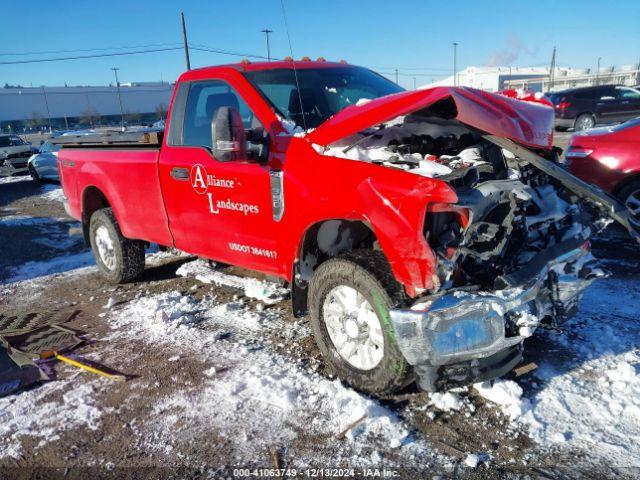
(611, 206)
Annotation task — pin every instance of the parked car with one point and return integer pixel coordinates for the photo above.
(586, 107)
(44, 164)
(14, 155)
(417, 243)
(609, 157)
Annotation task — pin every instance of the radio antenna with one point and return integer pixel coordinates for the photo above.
(295, 72)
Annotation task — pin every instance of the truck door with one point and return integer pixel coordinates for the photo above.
(220, 210)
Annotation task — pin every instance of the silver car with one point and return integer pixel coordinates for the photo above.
(44, 164)
(14, 153)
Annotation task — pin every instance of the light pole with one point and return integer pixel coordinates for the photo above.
(46, 102)
(266, 31)
(598, 71)
(455, 64)
(184, 40)
(115, 71)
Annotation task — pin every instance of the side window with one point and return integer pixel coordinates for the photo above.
(628, 94)
(202, 101)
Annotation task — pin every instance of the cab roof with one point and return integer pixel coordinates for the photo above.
(247, 66)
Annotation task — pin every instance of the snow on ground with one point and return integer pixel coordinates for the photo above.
(35, 269)
(266, 292)
(53, 193)
(21, 178)
(33, 413)
(590, 402)
(251, 395)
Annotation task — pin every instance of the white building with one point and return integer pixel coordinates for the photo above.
(20, 104)
(491, 79)
(494, 79)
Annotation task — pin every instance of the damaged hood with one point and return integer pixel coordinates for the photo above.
(527, 123)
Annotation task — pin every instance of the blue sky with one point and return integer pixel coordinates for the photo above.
(413, 36)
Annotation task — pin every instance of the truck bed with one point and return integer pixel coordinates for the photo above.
(125, 173)
(111, 140)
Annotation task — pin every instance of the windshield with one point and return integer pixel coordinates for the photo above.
(554, 97)
(323, 91)
(11, 141)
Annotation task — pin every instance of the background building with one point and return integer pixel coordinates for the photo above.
(25, 109)
(494, 79)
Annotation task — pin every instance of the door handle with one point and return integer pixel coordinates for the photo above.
(180, 173)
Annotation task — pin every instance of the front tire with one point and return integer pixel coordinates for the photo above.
(630, 196)
(119, 259)
(349, 301)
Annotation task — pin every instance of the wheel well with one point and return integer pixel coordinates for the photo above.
(92, 199)
(322, 241)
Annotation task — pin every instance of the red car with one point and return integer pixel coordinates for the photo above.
(609, 157)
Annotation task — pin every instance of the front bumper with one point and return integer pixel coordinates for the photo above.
(13, 166)
(465, 336)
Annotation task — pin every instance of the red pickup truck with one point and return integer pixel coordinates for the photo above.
(426, 233)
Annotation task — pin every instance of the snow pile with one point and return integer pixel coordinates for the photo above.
(262, 399)
(61, 264)
(53, 193)
(595, 399)
(506, 393)
(266, 292)
(253, 396)
(21, 178)
(446, 401)
(472, 460)
(33, 414)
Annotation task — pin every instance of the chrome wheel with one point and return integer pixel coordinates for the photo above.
(354, 327)
(633, 204)
(585, 122)
(106, 250)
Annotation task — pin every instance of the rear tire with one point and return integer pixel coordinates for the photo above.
(119, 259)
(630, 196)
(367, 328)
(584, 122)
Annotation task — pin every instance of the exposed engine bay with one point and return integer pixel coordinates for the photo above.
(510, 211)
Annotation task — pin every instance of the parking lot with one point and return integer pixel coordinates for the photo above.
(219, 377)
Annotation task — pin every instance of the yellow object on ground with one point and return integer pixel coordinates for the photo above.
(75, 363)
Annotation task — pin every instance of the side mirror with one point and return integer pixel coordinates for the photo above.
(228, 139)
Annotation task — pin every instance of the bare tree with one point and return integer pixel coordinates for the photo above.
(132, 117)
(161, 111)
(35, 121)
(90, 116)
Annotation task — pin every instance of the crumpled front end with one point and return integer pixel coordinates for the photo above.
(466, 336)
(513, 254)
